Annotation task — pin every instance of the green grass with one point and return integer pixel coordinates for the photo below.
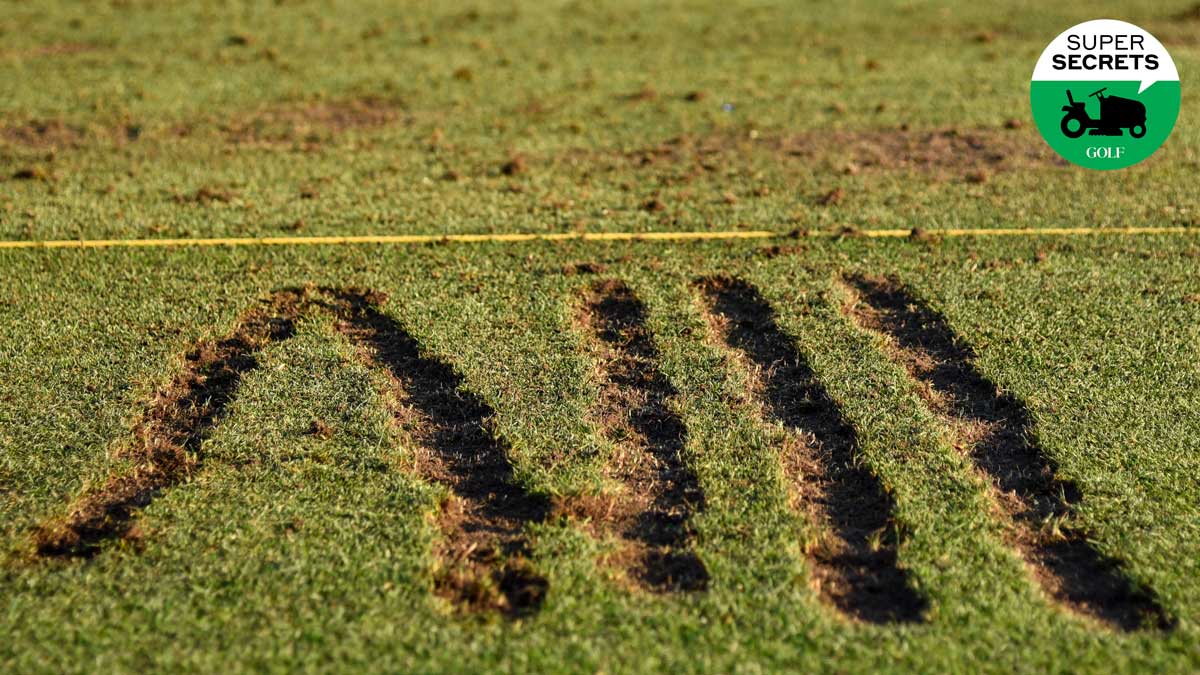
(289, 551)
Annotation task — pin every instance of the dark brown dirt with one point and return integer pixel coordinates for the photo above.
(777, 250)
(654, 205)
(311, 122)
(661, 493)
(998, 430)
(936, 150)
(482, 554)
(515, 166)
(832, 198)
(304, 125)
(583, 267)
(855, 565)
(166, 445)
(207, 194)
(320, 429)
(32, 173)
(45, 135)
(947, 152)
(922, 235)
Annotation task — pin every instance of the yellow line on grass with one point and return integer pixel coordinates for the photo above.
(1059, 231)
(574, 236)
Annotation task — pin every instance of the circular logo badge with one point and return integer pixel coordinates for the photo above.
(1105, 94)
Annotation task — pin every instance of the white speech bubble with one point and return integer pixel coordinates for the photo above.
(1089, 45)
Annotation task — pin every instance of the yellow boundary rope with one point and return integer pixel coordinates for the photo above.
(574, 236)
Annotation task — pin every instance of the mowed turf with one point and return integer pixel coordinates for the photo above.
(586, 456)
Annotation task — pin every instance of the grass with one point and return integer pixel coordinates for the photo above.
(288, 549)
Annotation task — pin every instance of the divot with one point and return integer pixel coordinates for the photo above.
(855, 564)
(482, 563)
(167, 438)
(997, 429)
(660, 492)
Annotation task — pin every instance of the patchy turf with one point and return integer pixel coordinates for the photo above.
(855, 565)
(659, 492)
(996, 431)
(166, 446)
(480, 558)
(802, 454)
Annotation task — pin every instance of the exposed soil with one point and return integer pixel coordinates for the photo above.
(320, 429)
(661, 493)
(46, 135)
(945, 152)
(515, 166)
(654, 205)
(776, 250)
(832, 198)
(311, 122)
(583, 267)
(305, 125)
(33, 173)
(854, 565)
(998, 430)
(482, 553)
(167, 438)
(482, 556)
(951, 150)
(207, 194)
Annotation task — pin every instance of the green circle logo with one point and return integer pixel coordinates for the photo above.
(1105, 94)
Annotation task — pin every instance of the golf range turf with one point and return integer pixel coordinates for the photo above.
(322, 517)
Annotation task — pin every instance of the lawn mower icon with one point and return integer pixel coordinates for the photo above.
(1116, 113)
